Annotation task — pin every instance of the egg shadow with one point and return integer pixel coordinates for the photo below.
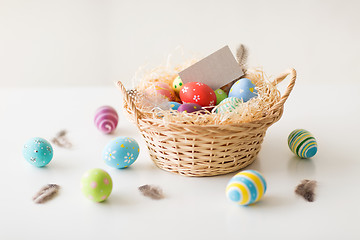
(272, 201)
(118, 200)
(300, 166)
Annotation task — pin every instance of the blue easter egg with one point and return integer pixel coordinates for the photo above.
(244, 89)
(246, 187)
(38, 151)
(121, 152)
(174, 105)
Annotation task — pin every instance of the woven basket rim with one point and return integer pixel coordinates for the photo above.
(132, 110)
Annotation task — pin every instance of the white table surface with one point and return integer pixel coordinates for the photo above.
(194, 208)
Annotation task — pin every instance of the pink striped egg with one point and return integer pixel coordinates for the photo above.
(106, 119)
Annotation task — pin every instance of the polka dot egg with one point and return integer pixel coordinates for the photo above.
(174, 105)
(190, 107)
(121, 152)
(177, 84)
(244, 89)
(38, 151)
(198, 93)
(96, 184)
(228, 105)
(220, 95)
(246, 187)
(302, 143)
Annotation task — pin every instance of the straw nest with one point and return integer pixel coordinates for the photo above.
(157, 107)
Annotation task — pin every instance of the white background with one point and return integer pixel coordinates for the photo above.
(84, 46)
(93, 42)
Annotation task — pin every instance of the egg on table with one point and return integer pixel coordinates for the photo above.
(38, 151)
(106, 119)
(302, 143)
(121, 152)
(244, 89)
(96, 184)
(246, 187)
(229, 104)
(161, 88)
(198, 93)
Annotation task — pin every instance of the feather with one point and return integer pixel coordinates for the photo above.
(306, 189)
(61, 140)
(46, 193)
(151, 191)
(242, 56)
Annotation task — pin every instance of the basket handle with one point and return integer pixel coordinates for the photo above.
(292, 73)
(129, 101)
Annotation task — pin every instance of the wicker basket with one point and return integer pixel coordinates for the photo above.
(204, 150)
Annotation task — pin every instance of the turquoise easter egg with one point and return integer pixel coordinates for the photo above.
(220, 95)
(244, 89)
(121, 152)
(174, 105)
(38, 151)
(302, 143)
(228, 105)
(246, 187)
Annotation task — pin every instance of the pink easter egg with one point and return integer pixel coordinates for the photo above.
(106, 119)
(162, 89)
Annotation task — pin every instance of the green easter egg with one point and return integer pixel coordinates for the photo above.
(220, 95)
(177, 84)
(96, 184)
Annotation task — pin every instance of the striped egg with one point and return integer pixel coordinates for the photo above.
(106, 119)
(246, 187)
(228, 105)
(302, 143)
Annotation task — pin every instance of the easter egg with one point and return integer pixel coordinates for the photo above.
(228, 105)
(160, 88)
(96, 184)
(174, 105)
(302, 143)
(38, 151)
(106, 119)
(199, 93)
(121, 152)
(243, 89)
(220, 95)
(177, 84)
(190, 107)
(246, 187)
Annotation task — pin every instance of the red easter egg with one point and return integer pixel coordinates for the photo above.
(199, 93)
(162, 89)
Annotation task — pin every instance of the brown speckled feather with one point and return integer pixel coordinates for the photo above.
(151, 191)
(46, 193)
(306, 189)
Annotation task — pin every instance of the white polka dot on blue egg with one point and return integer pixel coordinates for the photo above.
(244, 89)
(121, 152)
